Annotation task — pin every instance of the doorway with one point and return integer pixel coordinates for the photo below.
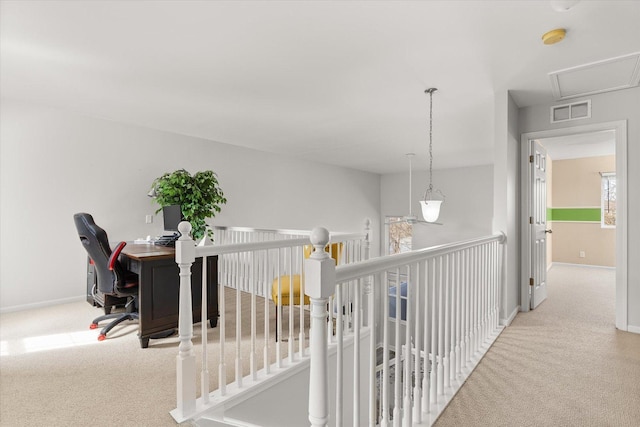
(619, 129)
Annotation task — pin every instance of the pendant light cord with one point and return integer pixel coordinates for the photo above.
(430, 140)
(430, 92)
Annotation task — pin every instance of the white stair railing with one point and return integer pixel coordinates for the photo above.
(248, 267)
(437, 314)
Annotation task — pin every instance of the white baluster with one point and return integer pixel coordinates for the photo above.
(254, 308)
(339, 351)
(427, 337)
(441, 325)
(433, 385)
(494, 247)
(204, 378)
(321, 284)
(238, 326)
(397, 390)
(452, 317)
(476, 312)
(447, 322)
(301, 335)
(279, 314)
(267, 338)
(384, 421)
(468, 302)
(459, 300)
(483, 288)
(186, 359)
(373, 360)
(292, 302)
(222, 321)
(417, 389)
(408, 348)
(369, 314)
(356, 353)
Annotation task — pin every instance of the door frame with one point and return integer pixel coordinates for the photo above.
(620, 128)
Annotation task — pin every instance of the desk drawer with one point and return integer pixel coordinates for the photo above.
(134, 265)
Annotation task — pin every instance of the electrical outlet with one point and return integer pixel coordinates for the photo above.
(582, 254)
(149, 219)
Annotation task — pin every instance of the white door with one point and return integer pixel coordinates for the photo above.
(538, 223)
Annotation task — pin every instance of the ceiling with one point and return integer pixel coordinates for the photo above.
(336, 82)
(577, 146)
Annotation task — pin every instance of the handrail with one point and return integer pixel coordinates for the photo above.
(268, 244)
(284, 231)
(348, 272)
(261, 230)
(247, 247)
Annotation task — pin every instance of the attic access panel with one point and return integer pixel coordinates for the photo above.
(597, 77)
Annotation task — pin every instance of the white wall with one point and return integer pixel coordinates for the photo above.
(466, 212)
(54, 164)
(609, 107)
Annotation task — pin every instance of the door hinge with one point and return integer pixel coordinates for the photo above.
(530, 281)
(530, 220)
(531, 158)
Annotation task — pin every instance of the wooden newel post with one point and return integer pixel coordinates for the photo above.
(186, 360)
(320, 283)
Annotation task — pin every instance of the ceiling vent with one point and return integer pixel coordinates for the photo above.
(603, 76)
(575, 111)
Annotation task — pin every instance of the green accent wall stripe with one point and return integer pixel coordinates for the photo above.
(574, 214)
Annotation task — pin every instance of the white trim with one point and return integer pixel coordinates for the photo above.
(525, 235)
(633, 329)
(571, 264)
(41, 304)
(509, 319)
(622, 286)
(550, 266)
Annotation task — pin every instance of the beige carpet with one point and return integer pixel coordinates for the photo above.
(54, 372)
(563, 364)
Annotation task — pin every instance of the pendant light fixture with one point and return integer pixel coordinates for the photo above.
(432, 198)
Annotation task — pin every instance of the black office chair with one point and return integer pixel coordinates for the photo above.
(112, 279)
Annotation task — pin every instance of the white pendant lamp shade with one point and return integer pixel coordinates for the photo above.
(430, 209)
(431, 203)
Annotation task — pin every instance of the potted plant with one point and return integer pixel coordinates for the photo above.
(198, 195)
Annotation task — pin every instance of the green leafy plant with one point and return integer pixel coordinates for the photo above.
(198, 195)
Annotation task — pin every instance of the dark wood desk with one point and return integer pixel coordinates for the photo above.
(159, 288)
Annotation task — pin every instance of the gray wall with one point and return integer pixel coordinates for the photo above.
(54, 164)
(506, 207)
(466, 213)
(609, 107)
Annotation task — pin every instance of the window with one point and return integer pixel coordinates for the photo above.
(400, 235)
(608, 217)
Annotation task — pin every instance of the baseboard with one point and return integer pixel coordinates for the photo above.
(41, 304)
(509, 319)
(634, 329)
(549, 266)
(569, 264)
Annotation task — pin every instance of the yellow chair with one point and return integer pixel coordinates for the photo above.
(335, 249)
